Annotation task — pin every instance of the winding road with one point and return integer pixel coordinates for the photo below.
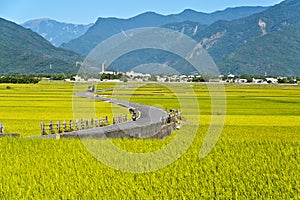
(147, 124)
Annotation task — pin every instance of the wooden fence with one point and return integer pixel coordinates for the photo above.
(1, 128)
(82, 124)
(120, 119)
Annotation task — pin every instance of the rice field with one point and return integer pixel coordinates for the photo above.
(23, 107)
(256, 157)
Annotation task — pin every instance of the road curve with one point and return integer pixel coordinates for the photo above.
(146, 126)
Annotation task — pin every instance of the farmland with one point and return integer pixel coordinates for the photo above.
(23, 107)
(257, 154)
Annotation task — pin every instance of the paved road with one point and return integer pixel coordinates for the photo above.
(149, 119)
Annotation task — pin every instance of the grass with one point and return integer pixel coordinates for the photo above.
(256, 157)
(23, 107)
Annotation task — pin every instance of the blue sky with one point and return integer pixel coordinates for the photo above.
(87, 11)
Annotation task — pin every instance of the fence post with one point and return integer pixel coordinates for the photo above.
(87, 124)
(100, 122)
(82, 124)
(106, 120)
(50, 127)
(77, 128)
(58, 126)
(71, 125)
(96, 123)
(1, 128)
(92, 123)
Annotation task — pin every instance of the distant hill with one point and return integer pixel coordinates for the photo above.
(56, 32)
(187, 27)
(106, 27)
(228, 14)
(264, 42)
(276, 53)
(23, 51)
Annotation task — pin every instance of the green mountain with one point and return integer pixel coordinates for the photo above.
(187, 27)
(276, 53)
(266, 42)
(23, 51)
(106, 27)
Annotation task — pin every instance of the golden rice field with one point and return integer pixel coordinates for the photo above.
(256, 157)
(23, 107)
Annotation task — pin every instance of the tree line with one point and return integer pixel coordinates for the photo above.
(20, 79)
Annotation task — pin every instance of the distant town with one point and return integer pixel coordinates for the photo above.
(110, 76)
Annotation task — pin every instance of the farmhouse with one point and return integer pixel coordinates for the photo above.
(272, 80)
(258, 81)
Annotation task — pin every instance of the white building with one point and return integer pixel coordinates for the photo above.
(78, 79)
(272, 80)
(231, 76)
(106, 72)
(258, 81)
(133, 74)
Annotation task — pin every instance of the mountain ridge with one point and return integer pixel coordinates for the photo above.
(56, 32)
(24, 51)
(263, 42)
(106, 27)
(235, 35)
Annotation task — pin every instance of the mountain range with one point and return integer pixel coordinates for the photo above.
(244, 40)
(56, 32)
(266, 42)
(106, 27)
(24, 51)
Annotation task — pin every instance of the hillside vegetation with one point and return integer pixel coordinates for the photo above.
(263, 42)
(23, 51)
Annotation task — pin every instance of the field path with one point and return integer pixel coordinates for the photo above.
(149, 118)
